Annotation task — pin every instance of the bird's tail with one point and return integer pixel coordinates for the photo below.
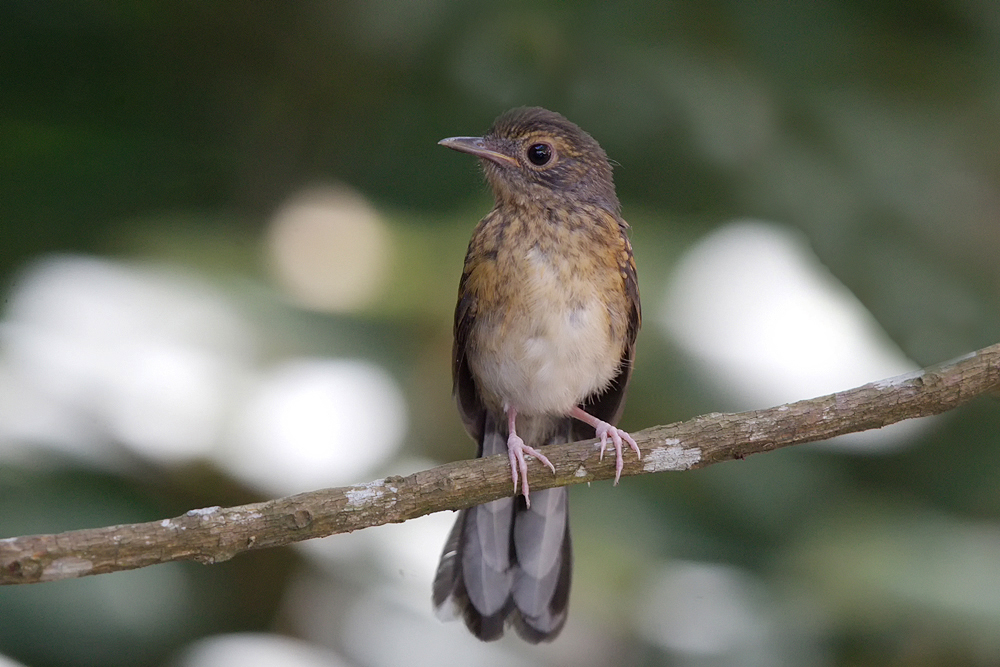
(505, 562)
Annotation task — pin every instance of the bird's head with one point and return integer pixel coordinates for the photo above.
(535, 156)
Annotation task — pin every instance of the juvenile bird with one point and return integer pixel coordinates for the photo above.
(545, 327)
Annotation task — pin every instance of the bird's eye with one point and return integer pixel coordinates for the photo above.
(540, 154)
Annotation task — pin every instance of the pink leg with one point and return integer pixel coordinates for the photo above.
(516, 449)
(604, 429)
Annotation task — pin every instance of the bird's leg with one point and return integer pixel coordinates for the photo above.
(516, 449)
(605, 430)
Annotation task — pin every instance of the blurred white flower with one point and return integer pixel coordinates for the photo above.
(770, 324)
(97, 354)
(703, 609)
(329, 249)
(312, 423)
(250, 649)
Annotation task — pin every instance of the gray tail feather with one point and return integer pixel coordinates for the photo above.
(504, 563)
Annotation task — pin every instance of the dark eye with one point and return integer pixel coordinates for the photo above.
(540, 154)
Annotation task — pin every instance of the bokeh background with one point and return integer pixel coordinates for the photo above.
(229, 251)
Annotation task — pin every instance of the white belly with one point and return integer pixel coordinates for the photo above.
(548, 354)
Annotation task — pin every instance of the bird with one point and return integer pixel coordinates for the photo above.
(544, 339)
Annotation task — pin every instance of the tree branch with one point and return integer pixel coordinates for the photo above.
(215, 534)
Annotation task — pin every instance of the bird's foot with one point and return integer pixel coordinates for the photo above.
(617, 436)
(516, 449)
(604, 430)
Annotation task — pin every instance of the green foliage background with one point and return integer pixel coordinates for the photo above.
(171, 131)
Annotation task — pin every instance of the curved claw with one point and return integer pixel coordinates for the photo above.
(516, 449)
(515, 464)
(605, 430)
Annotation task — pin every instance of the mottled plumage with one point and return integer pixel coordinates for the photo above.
(545, 328)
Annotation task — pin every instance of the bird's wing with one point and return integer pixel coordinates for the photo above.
(470, 405)
(609, 404)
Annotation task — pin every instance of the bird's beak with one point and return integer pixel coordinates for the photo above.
(477, 146)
